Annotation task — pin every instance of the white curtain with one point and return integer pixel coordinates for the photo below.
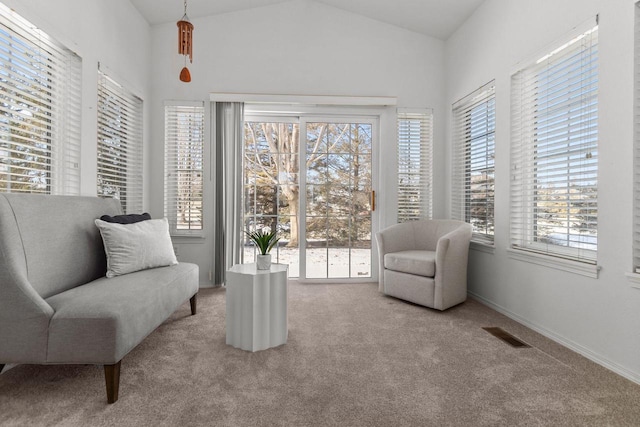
(229, 125)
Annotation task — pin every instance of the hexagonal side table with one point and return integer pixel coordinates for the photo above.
(256, 303)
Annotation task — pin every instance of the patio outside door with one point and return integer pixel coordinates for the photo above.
(314, 187)
(337, 216)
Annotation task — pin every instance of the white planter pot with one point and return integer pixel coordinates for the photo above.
(263, 262)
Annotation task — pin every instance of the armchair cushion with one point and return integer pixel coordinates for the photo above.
(420, 263)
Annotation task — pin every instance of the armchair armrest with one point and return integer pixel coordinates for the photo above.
(452, 253)
(398, 237)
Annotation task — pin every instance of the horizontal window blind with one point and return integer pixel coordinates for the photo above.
(554, 153)
(473, 163)
(636, 163)
(415, 157)
(183, 157)
(119, 144)
(40, 84)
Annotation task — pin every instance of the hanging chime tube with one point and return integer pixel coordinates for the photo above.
(185, 39)
(185, 43)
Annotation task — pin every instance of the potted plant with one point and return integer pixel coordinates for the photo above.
(264, 240)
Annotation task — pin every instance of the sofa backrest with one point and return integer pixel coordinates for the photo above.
(61, 244)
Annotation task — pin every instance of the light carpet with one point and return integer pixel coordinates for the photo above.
(353, 358)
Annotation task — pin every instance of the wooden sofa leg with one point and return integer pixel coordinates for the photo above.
(112, 378)
(194, 302)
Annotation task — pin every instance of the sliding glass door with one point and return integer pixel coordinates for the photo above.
(315, 188)
(272, 187)
(337, 220)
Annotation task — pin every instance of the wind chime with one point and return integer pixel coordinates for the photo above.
(185, 43)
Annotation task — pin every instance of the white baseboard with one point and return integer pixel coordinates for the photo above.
(589, 354)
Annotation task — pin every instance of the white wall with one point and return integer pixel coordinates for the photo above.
(301, 48)
(111, 32)
(598, 317)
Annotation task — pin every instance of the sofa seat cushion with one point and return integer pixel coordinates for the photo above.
(100, 322)
(420, 263)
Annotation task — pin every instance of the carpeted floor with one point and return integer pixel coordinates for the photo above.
(353, 358)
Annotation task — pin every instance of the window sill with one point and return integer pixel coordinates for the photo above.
(576, 267)
(182, 239)
(482, 247)
(634, 278)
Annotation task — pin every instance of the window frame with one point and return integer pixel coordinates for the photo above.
(192, 109)
(529, 138)
(414, 164)
(634, 276)
(119, 156)
(474, 111)
(42, 124)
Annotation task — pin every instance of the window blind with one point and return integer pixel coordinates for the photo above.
(183, 157)
(636, 164)
(119, 144)
(554, 153)
(415, 157)
(473, 163)
(40, 84)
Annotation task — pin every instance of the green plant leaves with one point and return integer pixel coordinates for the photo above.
(265, 241)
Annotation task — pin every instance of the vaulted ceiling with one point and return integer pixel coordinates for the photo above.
(436, 18)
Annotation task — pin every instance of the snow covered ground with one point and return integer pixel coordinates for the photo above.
(321, 262)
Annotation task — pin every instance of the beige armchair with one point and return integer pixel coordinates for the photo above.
(425, 262)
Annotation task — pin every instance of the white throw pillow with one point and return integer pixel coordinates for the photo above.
(134, 247)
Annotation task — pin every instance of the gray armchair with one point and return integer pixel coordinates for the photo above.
(425, 262)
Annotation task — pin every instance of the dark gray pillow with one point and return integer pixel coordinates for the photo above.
(126, 219)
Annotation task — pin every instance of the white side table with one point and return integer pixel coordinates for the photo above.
(256, 306)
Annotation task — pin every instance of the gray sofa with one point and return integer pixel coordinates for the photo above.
(57, 306)
(425, 262)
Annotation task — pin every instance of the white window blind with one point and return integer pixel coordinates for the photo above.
(183, 164)
(119, 144)
(473, 164)
(40, 83)
(554, 153)
(415, 157)
(636, 163)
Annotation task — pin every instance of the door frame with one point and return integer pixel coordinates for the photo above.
(326, 113)
(375, 145)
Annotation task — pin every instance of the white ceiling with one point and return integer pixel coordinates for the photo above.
(436, 18)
